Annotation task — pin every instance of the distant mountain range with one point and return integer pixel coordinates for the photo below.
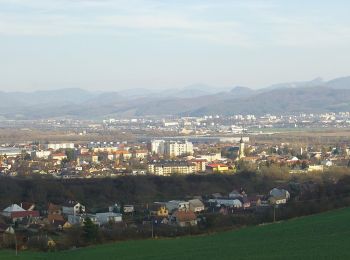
(310, 96)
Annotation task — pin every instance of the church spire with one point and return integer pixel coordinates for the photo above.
(241, 148)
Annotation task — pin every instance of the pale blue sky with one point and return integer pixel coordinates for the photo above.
(111, 45)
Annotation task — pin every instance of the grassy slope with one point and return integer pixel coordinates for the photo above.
(324, 236)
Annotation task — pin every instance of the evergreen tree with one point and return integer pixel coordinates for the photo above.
(90, 230)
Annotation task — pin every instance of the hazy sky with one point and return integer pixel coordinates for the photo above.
(114, 44)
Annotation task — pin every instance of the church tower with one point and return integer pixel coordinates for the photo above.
(241, 149)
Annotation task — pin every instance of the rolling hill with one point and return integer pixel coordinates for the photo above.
(322, 236)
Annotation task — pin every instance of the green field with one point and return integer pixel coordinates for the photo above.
(324, 236)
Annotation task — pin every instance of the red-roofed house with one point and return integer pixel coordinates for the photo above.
(58, 156)
(16, 212)
(216, 168)
(184, 218)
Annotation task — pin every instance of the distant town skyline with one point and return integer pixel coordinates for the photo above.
(155, 44)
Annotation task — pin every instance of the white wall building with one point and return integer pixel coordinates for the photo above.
(177, 205)
(172, 123)
(234, 203)
(173, 148)
(210, 157)
(80, 218)
(9, 151)
(196, 205)
(168, 168)
(57, 146)
(157, 146)
(73, 208)
(106, 217)
(41, 154)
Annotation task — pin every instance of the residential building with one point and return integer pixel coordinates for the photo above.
(15, 212)
(108, 217)
(128, 208)
(87, 158)
(216, 168)
(171, 167)
(58, 156)
(140, 154)
(104, 149)
(233, 203)
(157, 146)
(80, 218)
(169, 124)
(235, 195)
(10, 151)
(42, 154)
(54, 213)
(122, 155)
(196, 205)
(159, 209)
(210, 157)
(200, 164)
(245, 202)
(255, 201)
(57, 146)
(278, 196)
(177, 205)
(72, 208)
(184, 218)
(176, 148)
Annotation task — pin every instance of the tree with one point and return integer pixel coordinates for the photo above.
(70, 154)
(27, 157)
(90, 230)
(304, 165)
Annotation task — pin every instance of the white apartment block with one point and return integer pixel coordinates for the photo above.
(173, 149)
(57, 146)
(157, 146)
(41, 154)
(166, 169)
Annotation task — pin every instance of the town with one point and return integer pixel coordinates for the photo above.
(163, 155)
(289, 171)
(151, 129)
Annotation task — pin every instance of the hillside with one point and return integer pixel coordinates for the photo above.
(323, 236)
(283, 101)
(313, 96)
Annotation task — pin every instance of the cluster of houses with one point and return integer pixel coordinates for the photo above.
(177, 212)
(182, 213)
(27, 222)
(59, 217)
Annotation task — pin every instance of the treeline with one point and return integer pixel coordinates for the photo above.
(307, 197)
(128, 189)
(140, 190)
